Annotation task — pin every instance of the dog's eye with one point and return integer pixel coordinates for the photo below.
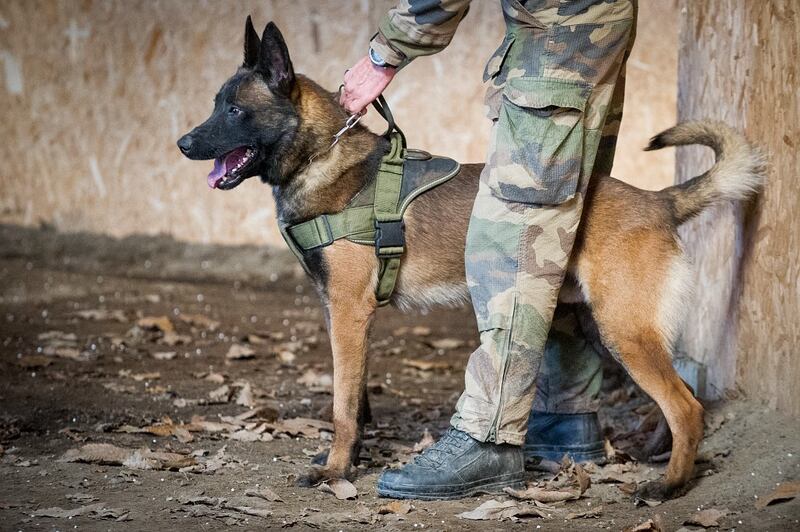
(234, 111)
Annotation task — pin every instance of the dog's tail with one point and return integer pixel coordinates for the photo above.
(737, 174)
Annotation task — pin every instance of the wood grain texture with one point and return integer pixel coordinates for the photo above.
(739, 63)
(94, 95)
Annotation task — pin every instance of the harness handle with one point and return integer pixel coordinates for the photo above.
(382, 107)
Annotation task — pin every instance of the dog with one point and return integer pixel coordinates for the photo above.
(627, 265)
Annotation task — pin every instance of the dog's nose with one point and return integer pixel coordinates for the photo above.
(185, 144)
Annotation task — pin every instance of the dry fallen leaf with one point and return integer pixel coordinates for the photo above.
(494, 509)
(119, 388)
(245, 396)
(139, 377)
(316, 381)
(256, 339)
(785, 492)
(221, 394)
(426, 365)
(588, 514)
(638, 501)
(247, 435)
(80, 497)
(102, 314)
(199, 423)
(533, 493)
(421, 330)
(172, 339)
(264, 493)
(425, 442)
(98, 510)
(144, 458)
(165, 428)
(340, 487)
(34, 361)
(308, 428)
(71, 353)
(707, 518)
(286, 357)
(216, 378)
(623, 473)
(648, 526)
(160, 323)
(58, 338)
(240, 352)
(396, 507)
(446, 343)
(199, 320)
(220, 503)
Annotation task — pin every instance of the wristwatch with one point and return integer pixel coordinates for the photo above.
(377, 60)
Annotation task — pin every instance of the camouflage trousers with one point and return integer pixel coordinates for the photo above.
(555, 98)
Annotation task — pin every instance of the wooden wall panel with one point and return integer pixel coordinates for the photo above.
(739, 63)
(94, 94)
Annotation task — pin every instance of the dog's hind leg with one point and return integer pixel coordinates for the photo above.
(350, 306)
(648, 362)
(635, 291)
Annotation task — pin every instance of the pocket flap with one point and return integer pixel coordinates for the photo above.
(496, 61)
(537, 93)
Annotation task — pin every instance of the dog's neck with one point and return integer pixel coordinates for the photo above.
(305, 188)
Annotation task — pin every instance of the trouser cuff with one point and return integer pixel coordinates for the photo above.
(481, 431)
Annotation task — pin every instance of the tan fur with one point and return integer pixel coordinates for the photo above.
(254, 95)
(350, 304)
(627, 265)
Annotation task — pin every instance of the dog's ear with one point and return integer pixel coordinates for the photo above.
(274, 62)
(251, 44)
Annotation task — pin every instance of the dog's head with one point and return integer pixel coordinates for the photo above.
(253, 113)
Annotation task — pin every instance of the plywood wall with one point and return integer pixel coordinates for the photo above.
(94, 94)
(739, 63)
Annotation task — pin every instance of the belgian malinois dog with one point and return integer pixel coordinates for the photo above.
(627, 266)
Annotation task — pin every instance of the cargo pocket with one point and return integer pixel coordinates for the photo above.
(495, 62)
(492, 74)
(537, 149)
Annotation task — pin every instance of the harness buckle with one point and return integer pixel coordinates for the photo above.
(390, 238)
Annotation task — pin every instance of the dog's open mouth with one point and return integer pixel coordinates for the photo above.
(229, 169)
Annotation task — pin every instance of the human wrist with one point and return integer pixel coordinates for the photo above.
(379, 46)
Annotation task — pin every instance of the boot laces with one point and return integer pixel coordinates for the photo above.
(452, 442)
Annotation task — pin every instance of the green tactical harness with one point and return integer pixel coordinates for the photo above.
(374, 216)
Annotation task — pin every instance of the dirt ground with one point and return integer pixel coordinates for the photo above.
(206, 372)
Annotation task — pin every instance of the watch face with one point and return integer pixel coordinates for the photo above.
(376, 58)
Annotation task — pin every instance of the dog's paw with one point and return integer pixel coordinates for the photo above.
(321, 459)
(312, 478)
(656, 490)
(318, 475)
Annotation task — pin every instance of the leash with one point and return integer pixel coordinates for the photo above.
(381, 106)
(351, 122)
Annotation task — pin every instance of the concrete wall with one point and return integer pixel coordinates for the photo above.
(739, 63)
(93, 95)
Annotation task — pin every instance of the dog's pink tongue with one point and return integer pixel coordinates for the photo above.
(217, 173)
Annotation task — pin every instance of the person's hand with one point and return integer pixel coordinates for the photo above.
(363, 84)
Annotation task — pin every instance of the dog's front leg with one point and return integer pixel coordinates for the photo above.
(350, 306)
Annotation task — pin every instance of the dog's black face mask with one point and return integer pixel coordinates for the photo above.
(253, 113)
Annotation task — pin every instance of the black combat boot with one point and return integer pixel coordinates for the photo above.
(456, 466)
(551, 436)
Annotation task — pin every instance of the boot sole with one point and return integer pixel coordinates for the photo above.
(592, 453)
(493, 487)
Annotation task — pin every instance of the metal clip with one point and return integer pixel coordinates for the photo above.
(350, 124)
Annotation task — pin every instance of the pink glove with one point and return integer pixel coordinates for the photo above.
(363, 84)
